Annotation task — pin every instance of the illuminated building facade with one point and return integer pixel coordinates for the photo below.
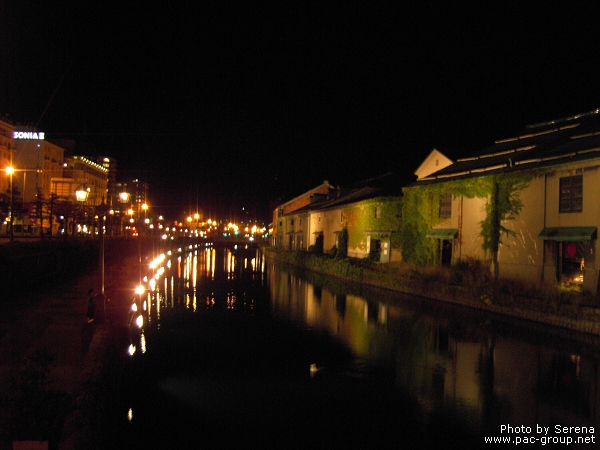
(82, 172)
(36, 162)
(112, 191)
(7, 151)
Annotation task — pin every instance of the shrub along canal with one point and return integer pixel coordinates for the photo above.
(234, 349)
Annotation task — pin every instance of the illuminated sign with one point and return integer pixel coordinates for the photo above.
(28, 135)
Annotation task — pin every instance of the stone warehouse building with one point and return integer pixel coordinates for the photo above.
(538, 190)
(542, 185)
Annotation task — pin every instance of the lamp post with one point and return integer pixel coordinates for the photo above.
(102, 213)
(145, 209)
(123, 199)
(10, 170)
(81, 194)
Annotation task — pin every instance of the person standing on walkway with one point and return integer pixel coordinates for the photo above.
(91, 306)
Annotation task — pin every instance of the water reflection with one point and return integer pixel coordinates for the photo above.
(484, 370)
(197, 277)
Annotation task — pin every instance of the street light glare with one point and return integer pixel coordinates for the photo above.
(124, 197)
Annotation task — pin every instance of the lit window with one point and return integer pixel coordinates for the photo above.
(377, 212)
(571, 194)
(445, 211)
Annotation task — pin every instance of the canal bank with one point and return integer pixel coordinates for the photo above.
(472, 288)
(54, 365)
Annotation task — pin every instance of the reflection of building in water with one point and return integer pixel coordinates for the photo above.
(494, 380)
(484, 377)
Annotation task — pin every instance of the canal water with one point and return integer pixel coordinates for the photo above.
(236, 350)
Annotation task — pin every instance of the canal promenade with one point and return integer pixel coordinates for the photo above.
(45, 333)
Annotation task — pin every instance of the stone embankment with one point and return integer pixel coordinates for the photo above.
(575, 317)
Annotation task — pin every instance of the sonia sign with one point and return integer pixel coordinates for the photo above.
(28, 135)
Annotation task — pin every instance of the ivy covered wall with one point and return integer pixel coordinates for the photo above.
(377, 214)
(500, 192)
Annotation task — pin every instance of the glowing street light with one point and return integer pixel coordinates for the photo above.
(10, 170)
(124, 197)
(81, 195)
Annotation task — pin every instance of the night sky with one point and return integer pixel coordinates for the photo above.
(234, 104)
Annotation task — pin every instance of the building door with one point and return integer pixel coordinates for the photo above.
(446, 252)
(374, 249)
(571, 262)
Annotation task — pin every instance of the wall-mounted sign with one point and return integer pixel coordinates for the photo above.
(28, 135)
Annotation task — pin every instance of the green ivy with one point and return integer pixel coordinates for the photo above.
(420, 211)
(361, 217)
(503, 203)
(342, 244)
(417, 219)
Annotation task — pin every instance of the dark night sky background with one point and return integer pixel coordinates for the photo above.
(235, 104)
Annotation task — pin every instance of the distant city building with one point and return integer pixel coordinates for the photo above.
(7, 151)
(80, 172)
(112, 192)
(36, 162)
(139, 193)
(123, 200)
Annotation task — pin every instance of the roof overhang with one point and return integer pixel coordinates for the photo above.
(570, 234)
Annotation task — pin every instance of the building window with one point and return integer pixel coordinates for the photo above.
(445, 206)
(292, 222)
(319, 219)
(377, 212)
(571, 194)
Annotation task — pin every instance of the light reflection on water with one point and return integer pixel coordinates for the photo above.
(484, 369)
(187, 278)
(481, 369)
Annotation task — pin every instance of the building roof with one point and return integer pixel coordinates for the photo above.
(385, 185)
(541, 145)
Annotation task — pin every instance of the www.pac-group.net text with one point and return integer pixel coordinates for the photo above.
(544, 435)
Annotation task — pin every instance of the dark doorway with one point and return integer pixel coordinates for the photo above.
(375, 249)
(446, 255)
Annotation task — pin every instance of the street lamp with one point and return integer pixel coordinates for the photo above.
(102, 213)
(10, 170)
(144, 207)
(131, 221)
(123, 199)
(81, 194)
